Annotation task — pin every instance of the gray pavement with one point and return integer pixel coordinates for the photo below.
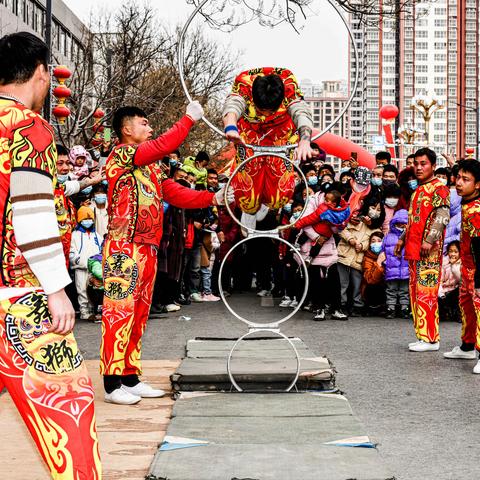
(420, 408)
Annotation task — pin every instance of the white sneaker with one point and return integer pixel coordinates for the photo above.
(320, 315)
(196, 297)
(411, 344)
(476, 368)
(339, 315)
(422, 346)
(144, 390)
(293, 304)
(120, 396)
(285, 302)
(457, 352)
(263, 293)
(172, 307)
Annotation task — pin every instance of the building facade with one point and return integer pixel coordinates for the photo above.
(433, 49)
(68, 30)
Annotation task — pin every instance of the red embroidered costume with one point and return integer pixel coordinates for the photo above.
(265, 180)
(425, 272)
(136, 189)
(44, 372)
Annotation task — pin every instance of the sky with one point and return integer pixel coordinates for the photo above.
(319, 52)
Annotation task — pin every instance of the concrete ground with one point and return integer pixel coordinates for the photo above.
(420, 408)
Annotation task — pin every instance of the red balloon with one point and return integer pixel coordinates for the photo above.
(342, 148)
(387, 112)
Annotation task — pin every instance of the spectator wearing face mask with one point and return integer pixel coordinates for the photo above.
(99, 207)
(396, 269)
(408, 184)
(443, 174)
(373, 285)
(354, 242)
(81, 161)
(85, 243)
(454, 227)
(391, 195)
(311, 176)
(377, 179)
(389, 175)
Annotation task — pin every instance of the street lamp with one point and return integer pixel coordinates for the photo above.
(426, 105)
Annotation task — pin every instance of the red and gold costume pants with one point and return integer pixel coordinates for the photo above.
(469, 304)
(264, 180)
(47, 379)
(423, 285)
(129, 271)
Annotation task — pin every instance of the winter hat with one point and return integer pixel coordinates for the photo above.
(79, 151)
(363, 176)
(85, 213)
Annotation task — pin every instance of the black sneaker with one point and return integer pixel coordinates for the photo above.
(405, 313)
(181, 300)
(390, 313)
(356, 312)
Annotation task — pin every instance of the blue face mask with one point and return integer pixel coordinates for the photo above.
(104, 182)
(62, 178)
(295, 216)
(87, 190)
(344, 169)
(101, 199)
(88, 223)
(377, 182)
(287, 208)
(376, 247)
(173, 162)
(413, 184)
(312, 180)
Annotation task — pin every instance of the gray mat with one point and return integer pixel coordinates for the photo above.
(269, 462)
(295, 405)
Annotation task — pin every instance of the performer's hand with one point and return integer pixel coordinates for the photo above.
(219, 197)
(425, 249)
(62, 313)
(398, 248)
(234, 136)
(303, 151)
(195, 110)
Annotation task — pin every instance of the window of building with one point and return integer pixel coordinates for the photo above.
(440, 34)
(440, 22)
(422, 80)
(422, 34)
(440, 11)
(470, 71)
(440, 138)
(441, 45)
(440, 68)
(421, 45)
(421, 57)
(421, 68)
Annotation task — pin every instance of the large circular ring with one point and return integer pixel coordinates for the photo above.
(264, 153)
(293, 312)
(180, 58)
(229, 361)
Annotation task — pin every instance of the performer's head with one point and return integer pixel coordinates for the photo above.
(24, 68)
(268, 92)
(468, 179)
(131, 125)
(424, 164)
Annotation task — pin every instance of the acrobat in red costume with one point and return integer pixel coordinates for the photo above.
(267, 179)
(137, 188)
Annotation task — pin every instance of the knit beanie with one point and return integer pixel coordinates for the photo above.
(84, 213)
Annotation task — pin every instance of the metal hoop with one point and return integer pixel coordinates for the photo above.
(229, 361)
(239, 167)
(181, 45)
(282, 320)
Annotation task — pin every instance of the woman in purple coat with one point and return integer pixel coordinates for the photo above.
(396, 268)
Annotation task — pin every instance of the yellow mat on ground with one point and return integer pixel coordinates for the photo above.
(129, 435)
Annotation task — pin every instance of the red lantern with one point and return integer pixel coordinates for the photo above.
(470, 152)
(389, 112)
(98, 113)
(61, 112)
(61, 73)
(98, 128)
(62, 93)
(96, 141)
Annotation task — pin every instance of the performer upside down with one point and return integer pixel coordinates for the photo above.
(266, 108)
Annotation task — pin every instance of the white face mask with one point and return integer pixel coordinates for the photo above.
(391, 202)
(443, 180)
(373, 213)
(359, 188)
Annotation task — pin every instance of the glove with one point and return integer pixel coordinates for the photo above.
(220, 196)
(195, 110)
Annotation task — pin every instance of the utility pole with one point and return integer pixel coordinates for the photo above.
(48, 40)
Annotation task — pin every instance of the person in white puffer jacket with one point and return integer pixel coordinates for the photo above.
(86, 242)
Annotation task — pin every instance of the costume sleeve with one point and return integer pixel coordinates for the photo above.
(301, 114)
(439, 222)
(476, 258)
(182, 197)
(234, 104)
(154, 150)
(71, 187)
(33, 210)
